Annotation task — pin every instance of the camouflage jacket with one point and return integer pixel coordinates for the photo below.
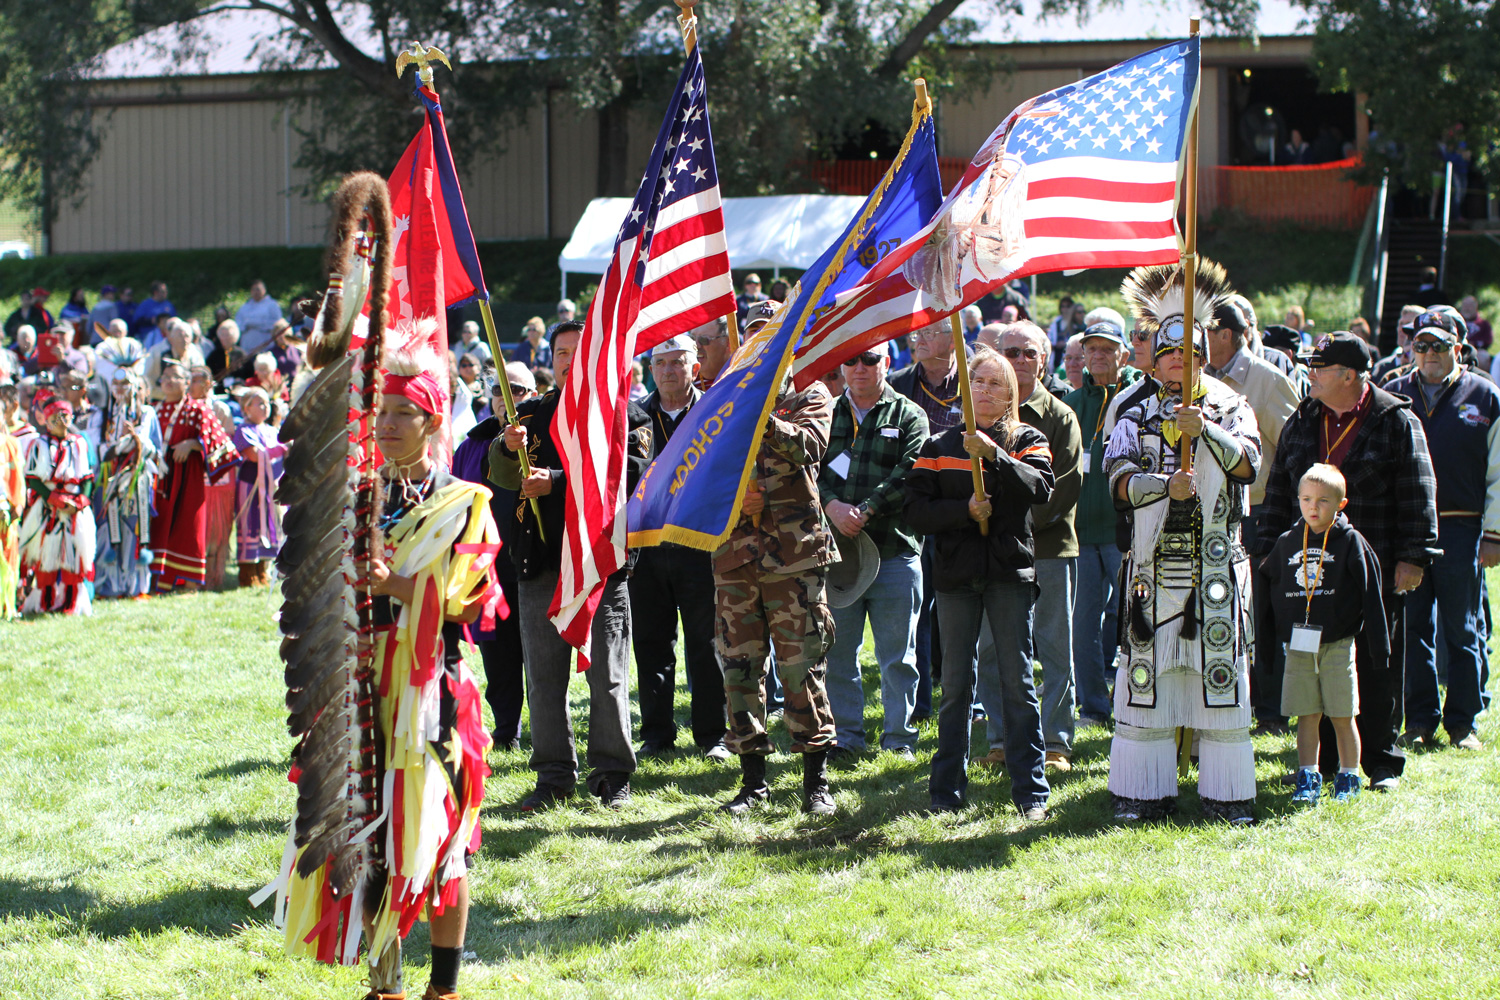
(792, 536)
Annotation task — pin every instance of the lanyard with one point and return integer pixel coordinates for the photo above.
(1328, 455)
(1311, 588)
(1103, 409)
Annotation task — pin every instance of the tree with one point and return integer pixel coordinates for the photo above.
(790, 81)
(1430, 71)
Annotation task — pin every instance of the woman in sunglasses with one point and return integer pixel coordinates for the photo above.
(985, 571)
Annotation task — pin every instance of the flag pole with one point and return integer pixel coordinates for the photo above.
(961, 356)
(422, 57)
(1190, 268)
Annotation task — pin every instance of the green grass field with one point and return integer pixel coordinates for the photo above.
(145, 797)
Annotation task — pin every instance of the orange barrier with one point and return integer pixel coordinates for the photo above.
(859, 177)
(1316, 195)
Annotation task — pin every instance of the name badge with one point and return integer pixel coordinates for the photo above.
(890, 432)
(956, 408)
(840, 466)
(1088, 463)
(1306, 638)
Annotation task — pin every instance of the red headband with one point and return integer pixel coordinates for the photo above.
(54, 406)
(420, 388)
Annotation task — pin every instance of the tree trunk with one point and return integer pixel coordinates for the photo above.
(613, 178)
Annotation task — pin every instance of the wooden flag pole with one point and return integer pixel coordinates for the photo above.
(966, 394)
(1190, 270)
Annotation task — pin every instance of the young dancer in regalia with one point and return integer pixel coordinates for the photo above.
(57, 532)
(1187, 577)
(129, 440)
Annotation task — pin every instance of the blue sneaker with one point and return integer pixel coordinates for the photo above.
(1345, 786)
(1309, 788)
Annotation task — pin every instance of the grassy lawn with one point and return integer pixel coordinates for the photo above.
(143, 777)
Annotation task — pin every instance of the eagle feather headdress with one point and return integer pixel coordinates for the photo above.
(1157, 294)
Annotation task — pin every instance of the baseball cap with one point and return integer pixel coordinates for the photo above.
(39, 294)
(1437, 323)
(1107, 330)
(681, 342)
(1281, 337)
(1340, 348)
(761, 312)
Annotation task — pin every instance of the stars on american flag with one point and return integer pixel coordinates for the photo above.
(686, 164)
(1134, 111)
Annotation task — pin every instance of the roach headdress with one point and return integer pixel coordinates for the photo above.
(331, 488)
(1156, 297)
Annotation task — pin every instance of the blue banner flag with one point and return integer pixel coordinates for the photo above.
(691, 494)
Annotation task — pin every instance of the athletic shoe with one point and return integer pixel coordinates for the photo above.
(1469, 741)
(904, 754)
(1384, 781)
(1309, 788)
(545, 797)
(1345, 786)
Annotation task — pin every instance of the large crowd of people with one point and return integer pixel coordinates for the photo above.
(1321, 560)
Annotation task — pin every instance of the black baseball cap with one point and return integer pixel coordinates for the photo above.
(1438, 323)
(1283, 338)
(1340, 348)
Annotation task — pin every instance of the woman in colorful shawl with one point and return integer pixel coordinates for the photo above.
(437, 575)
(258, 523)
(194, 447)
(129, 441)
(57, 532)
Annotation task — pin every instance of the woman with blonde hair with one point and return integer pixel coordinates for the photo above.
(984, 566)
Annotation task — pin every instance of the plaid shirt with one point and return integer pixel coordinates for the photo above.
(881, 451)
(1392, 488)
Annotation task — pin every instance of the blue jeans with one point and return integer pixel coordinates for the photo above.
(1450, 590)
(960, 613)
(892, 602)
(926, 641)
(1096, 632)
(1053, 632)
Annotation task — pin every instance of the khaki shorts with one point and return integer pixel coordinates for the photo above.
(1321, 683)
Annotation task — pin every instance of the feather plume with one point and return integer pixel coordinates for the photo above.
(1155, 293)
(332, 493)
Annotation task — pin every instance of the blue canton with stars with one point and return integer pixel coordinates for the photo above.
(682, 162)
(1135, 111)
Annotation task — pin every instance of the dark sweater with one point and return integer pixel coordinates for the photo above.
(1348, 598)
(937, 503)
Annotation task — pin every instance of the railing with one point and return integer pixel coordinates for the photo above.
(1318, 195)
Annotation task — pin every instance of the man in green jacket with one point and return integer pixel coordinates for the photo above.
(1025, 345)
(1095, 631)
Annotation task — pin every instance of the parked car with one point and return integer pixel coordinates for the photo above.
(19, 249)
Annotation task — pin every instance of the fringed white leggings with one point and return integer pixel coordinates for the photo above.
(1143, 763)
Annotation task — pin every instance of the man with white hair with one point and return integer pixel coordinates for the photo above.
(469, 343)
(177, 345)
(972, 321)
(669, 580)
(567, 310)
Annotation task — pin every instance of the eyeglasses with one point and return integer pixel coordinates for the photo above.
(705, 341)
(1029, 353)
(869, 359)
(1435, 346)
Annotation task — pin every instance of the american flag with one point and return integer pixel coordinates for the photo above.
(1082, 176)
(670, 273)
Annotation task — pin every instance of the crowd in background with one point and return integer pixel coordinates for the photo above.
(135, 446)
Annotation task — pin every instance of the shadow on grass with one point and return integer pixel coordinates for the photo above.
(250, 765)
(508, 938)
(209, 911)
(219, 827)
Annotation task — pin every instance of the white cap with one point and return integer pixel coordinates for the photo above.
(517, 373)
(681, 342)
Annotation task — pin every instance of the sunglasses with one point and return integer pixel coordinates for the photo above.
(705, 341)
(1029, 353)
(869, 359)
(1435, 346)
(467, 364)
(515, 390)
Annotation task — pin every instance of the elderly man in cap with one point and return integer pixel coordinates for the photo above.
(751, 295)
(1095, 626)
(1375, 440)
(669, 580)
(567, 312)
(1055, 548)
(1460, 413)
(1274, 398)
(769, 578)
(1398, 362)
(712, 343)
(874, 440)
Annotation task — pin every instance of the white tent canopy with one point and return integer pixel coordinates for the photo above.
(774, 232)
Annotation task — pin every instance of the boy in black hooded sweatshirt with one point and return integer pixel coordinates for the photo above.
(1322, 580)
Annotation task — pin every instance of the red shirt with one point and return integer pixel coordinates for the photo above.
(1338, 432)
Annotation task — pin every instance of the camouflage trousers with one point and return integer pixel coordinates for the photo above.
(757, 611)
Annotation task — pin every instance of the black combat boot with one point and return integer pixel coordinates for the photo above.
(753, 790)
(817, 800)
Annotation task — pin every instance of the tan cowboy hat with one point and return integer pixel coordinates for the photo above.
(851, 576)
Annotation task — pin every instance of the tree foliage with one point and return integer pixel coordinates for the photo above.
(1430, 70)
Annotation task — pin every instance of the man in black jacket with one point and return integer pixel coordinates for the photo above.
(1372, 437)
(538, 559)
(669, 579)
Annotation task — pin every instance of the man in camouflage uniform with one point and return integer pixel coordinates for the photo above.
(768, 579)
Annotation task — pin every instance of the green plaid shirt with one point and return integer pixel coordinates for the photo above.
(880, 453)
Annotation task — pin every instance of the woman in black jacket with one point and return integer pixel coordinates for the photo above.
(990, 574)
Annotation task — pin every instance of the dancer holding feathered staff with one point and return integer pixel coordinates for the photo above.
(390, 767)
(129, 441)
